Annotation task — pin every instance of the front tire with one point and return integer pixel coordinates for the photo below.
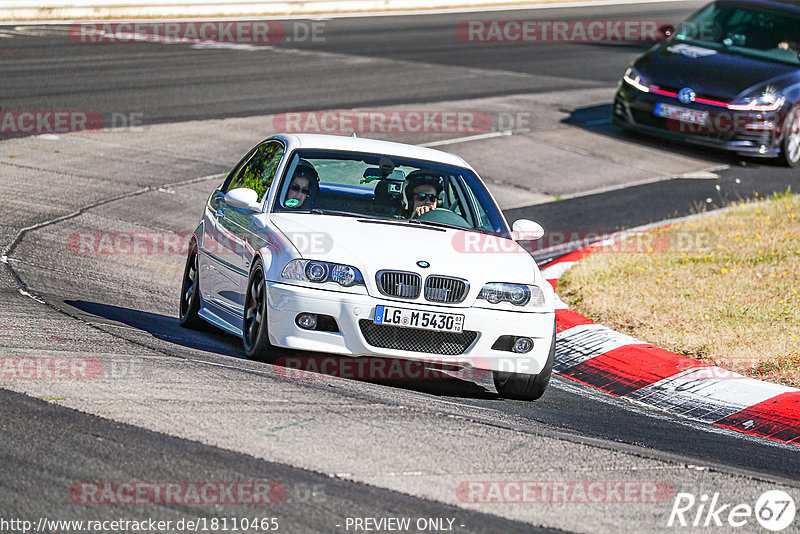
(190, 292)
(523, 386)
(255, 333)
(790, 145)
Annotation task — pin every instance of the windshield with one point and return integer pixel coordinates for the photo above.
(772, 35)
(390, 189)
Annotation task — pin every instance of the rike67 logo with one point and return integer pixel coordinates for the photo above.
(774, 510)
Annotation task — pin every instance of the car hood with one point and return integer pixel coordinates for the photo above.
(711, 73)
(372, 245)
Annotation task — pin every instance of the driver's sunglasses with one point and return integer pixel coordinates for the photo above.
(298, 189)
(430, 197)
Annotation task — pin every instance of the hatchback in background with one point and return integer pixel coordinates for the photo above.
(728, 78)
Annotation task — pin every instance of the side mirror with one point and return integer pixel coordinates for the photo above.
(525, 230)
(664, 32)
(244, 198)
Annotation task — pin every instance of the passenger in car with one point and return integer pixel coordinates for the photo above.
(422, 192)
(790, 45)
(303, 191)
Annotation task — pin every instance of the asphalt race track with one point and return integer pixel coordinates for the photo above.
(171, 405)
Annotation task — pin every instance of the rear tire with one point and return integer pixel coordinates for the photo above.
(255, 333)
(190, 292)
(790, 145)
(523, 386)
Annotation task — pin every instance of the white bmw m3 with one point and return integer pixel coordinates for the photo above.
(360, 247)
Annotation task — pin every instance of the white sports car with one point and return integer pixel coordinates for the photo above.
(360, 247)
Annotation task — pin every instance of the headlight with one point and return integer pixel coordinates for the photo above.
(344, 275)
(766, 101)
(321, 272)
(516, 294)
(316, 271)
(633, 78)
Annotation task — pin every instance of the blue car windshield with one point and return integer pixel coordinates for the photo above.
(766, 34)
(390, 188)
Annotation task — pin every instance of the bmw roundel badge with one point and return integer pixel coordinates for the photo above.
(423, 264)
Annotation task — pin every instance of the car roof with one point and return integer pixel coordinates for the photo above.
(371, 146)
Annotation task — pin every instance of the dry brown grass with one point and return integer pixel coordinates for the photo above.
(722, 289)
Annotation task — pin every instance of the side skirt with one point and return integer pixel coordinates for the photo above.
(220, 318)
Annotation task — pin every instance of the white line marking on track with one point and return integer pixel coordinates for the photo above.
(31, 296)
(216, 45)
(126, 327)
(659, 178)
(220, 365)
(467, 139)
(235, 368)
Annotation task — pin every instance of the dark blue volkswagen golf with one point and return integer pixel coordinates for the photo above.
(728, 78)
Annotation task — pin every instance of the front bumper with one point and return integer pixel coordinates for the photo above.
(353, 312)
(742, 132)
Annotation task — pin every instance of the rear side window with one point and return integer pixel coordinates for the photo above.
(258, 172)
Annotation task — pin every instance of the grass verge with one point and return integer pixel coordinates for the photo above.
(722, 288)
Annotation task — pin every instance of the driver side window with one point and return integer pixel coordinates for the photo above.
(259, 171)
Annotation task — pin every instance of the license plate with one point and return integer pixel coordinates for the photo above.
(692, 116)
(426, 320)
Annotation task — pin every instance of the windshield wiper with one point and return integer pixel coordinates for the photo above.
(436, 224)
(318, 211)
(450, 226)
(399, 222)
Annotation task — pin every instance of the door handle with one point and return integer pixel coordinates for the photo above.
(221, 213)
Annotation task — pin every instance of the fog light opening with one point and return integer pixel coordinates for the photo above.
(307, 321)
(523, 345)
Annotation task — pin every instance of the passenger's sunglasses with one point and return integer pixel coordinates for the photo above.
(430, 197)
(298, 189)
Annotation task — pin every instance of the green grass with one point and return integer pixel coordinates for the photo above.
(722, 288)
